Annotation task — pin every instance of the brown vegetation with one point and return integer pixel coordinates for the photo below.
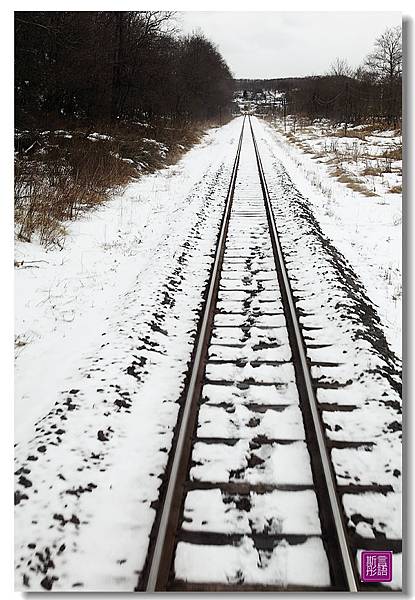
(351, 182)
(60, 175)
(396, 189)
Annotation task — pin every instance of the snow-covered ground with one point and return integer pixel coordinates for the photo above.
(63, 297)
(354, 187)
(356, 374)
(108, 326)
(105, 330)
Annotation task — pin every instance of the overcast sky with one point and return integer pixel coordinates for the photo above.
(282, 44)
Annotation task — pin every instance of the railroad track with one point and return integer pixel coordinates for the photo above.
(250, 499)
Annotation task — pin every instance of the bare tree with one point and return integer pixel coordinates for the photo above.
(340, 68)
(386, 59)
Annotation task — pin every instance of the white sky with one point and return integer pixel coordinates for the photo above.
(283, 44)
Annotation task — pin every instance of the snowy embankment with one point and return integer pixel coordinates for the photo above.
(356, 375)
(63, 297)
(105, 331)
(353, 184)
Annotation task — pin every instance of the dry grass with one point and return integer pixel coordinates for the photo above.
(290, 137)
(59, 181)
(361, 189)
(396, 189)
(373, 171)
(351, 182)
(61, 174)
(393, 153)
(338, 153)
(367, 130)
(359, 134)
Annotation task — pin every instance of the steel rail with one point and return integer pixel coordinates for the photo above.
(158, 559)
(341, 534)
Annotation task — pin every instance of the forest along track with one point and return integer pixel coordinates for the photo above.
(251, 500)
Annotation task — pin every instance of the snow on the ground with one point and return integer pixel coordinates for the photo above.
(108, 326)
(361, 215)
(356, 374)
(277, 512)
(105, 330)
(62, 297)
(238, 445)
(273, 567)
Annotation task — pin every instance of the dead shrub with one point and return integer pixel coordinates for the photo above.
(393, 153)
(351, 182)
(61, 174)
(351, 133)
(372, 171)
(396, 189)
(59, 181)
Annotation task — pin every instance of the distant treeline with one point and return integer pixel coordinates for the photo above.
(115, 65)
(373, 92)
